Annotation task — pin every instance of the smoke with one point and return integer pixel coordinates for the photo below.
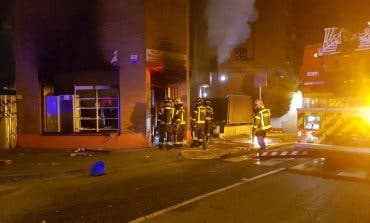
(229, 24)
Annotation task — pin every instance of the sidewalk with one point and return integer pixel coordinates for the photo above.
(237, 146)
(39, 164)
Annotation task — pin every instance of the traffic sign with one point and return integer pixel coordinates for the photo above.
(260, 79)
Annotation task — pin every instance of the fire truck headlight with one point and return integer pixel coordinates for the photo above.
(366, 115)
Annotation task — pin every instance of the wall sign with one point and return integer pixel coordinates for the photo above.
(335, 36)
(133, 59)
(260, 79)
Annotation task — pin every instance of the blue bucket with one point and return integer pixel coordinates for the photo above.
(97, 169)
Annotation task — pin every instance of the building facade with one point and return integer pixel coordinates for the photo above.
(90, 74)
(268, 50)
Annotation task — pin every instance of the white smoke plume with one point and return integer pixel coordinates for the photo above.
(229, 24)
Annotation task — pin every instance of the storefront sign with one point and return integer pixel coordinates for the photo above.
(310, 83)
(312, 74)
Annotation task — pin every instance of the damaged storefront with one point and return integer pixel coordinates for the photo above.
(80, 86)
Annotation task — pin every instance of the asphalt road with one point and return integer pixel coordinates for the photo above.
(156, 186)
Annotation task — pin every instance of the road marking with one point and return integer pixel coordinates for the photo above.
(353, 173)
(284, 153)
(202, 197)
(263, 175)
(271, 162)
(307, 167)
(294, 153)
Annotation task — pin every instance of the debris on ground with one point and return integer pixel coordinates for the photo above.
(100, 150)
(80, 152)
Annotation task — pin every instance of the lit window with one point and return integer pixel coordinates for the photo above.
(204, 91)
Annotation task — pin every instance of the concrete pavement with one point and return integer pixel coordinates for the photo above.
(237, 146)
(37, 164)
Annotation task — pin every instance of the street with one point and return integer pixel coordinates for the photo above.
(186, 111)
(159, 186)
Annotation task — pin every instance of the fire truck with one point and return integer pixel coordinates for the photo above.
(335, 84)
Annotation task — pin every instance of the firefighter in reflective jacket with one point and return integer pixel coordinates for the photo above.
(198, 122)
(261, 123)
(165, 117)
(208, 119)
(179, 123)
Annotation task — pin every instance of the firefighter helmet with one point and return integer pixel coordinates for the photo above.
(258, 103)
(167, 102)
(199, 101)
(178, 102)
(208, 102)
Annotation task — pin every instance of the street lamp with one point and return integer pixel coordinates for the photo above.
(223, 78)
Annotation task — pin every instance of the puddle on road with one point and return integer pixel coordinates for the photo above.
(334, 168)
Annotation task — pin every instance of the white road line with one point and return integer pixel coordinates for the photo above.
(201, 197)
(284, 153)
(263, 175)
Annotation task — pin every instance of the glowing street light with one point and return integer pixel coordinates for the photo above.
(223, 77)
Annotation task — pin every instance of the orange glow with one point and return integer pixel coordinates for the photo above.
(156, 68)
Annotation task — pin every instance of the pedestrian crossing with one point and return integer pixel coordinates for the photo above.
(251, 153)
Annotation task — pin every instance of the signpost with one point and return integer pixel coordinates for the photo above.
(260, 80)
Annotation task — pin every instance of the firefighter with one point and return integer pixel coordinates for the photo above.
(179, 123)
(208, 121)
(198, 122)
(165, 131)
(261, 123)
